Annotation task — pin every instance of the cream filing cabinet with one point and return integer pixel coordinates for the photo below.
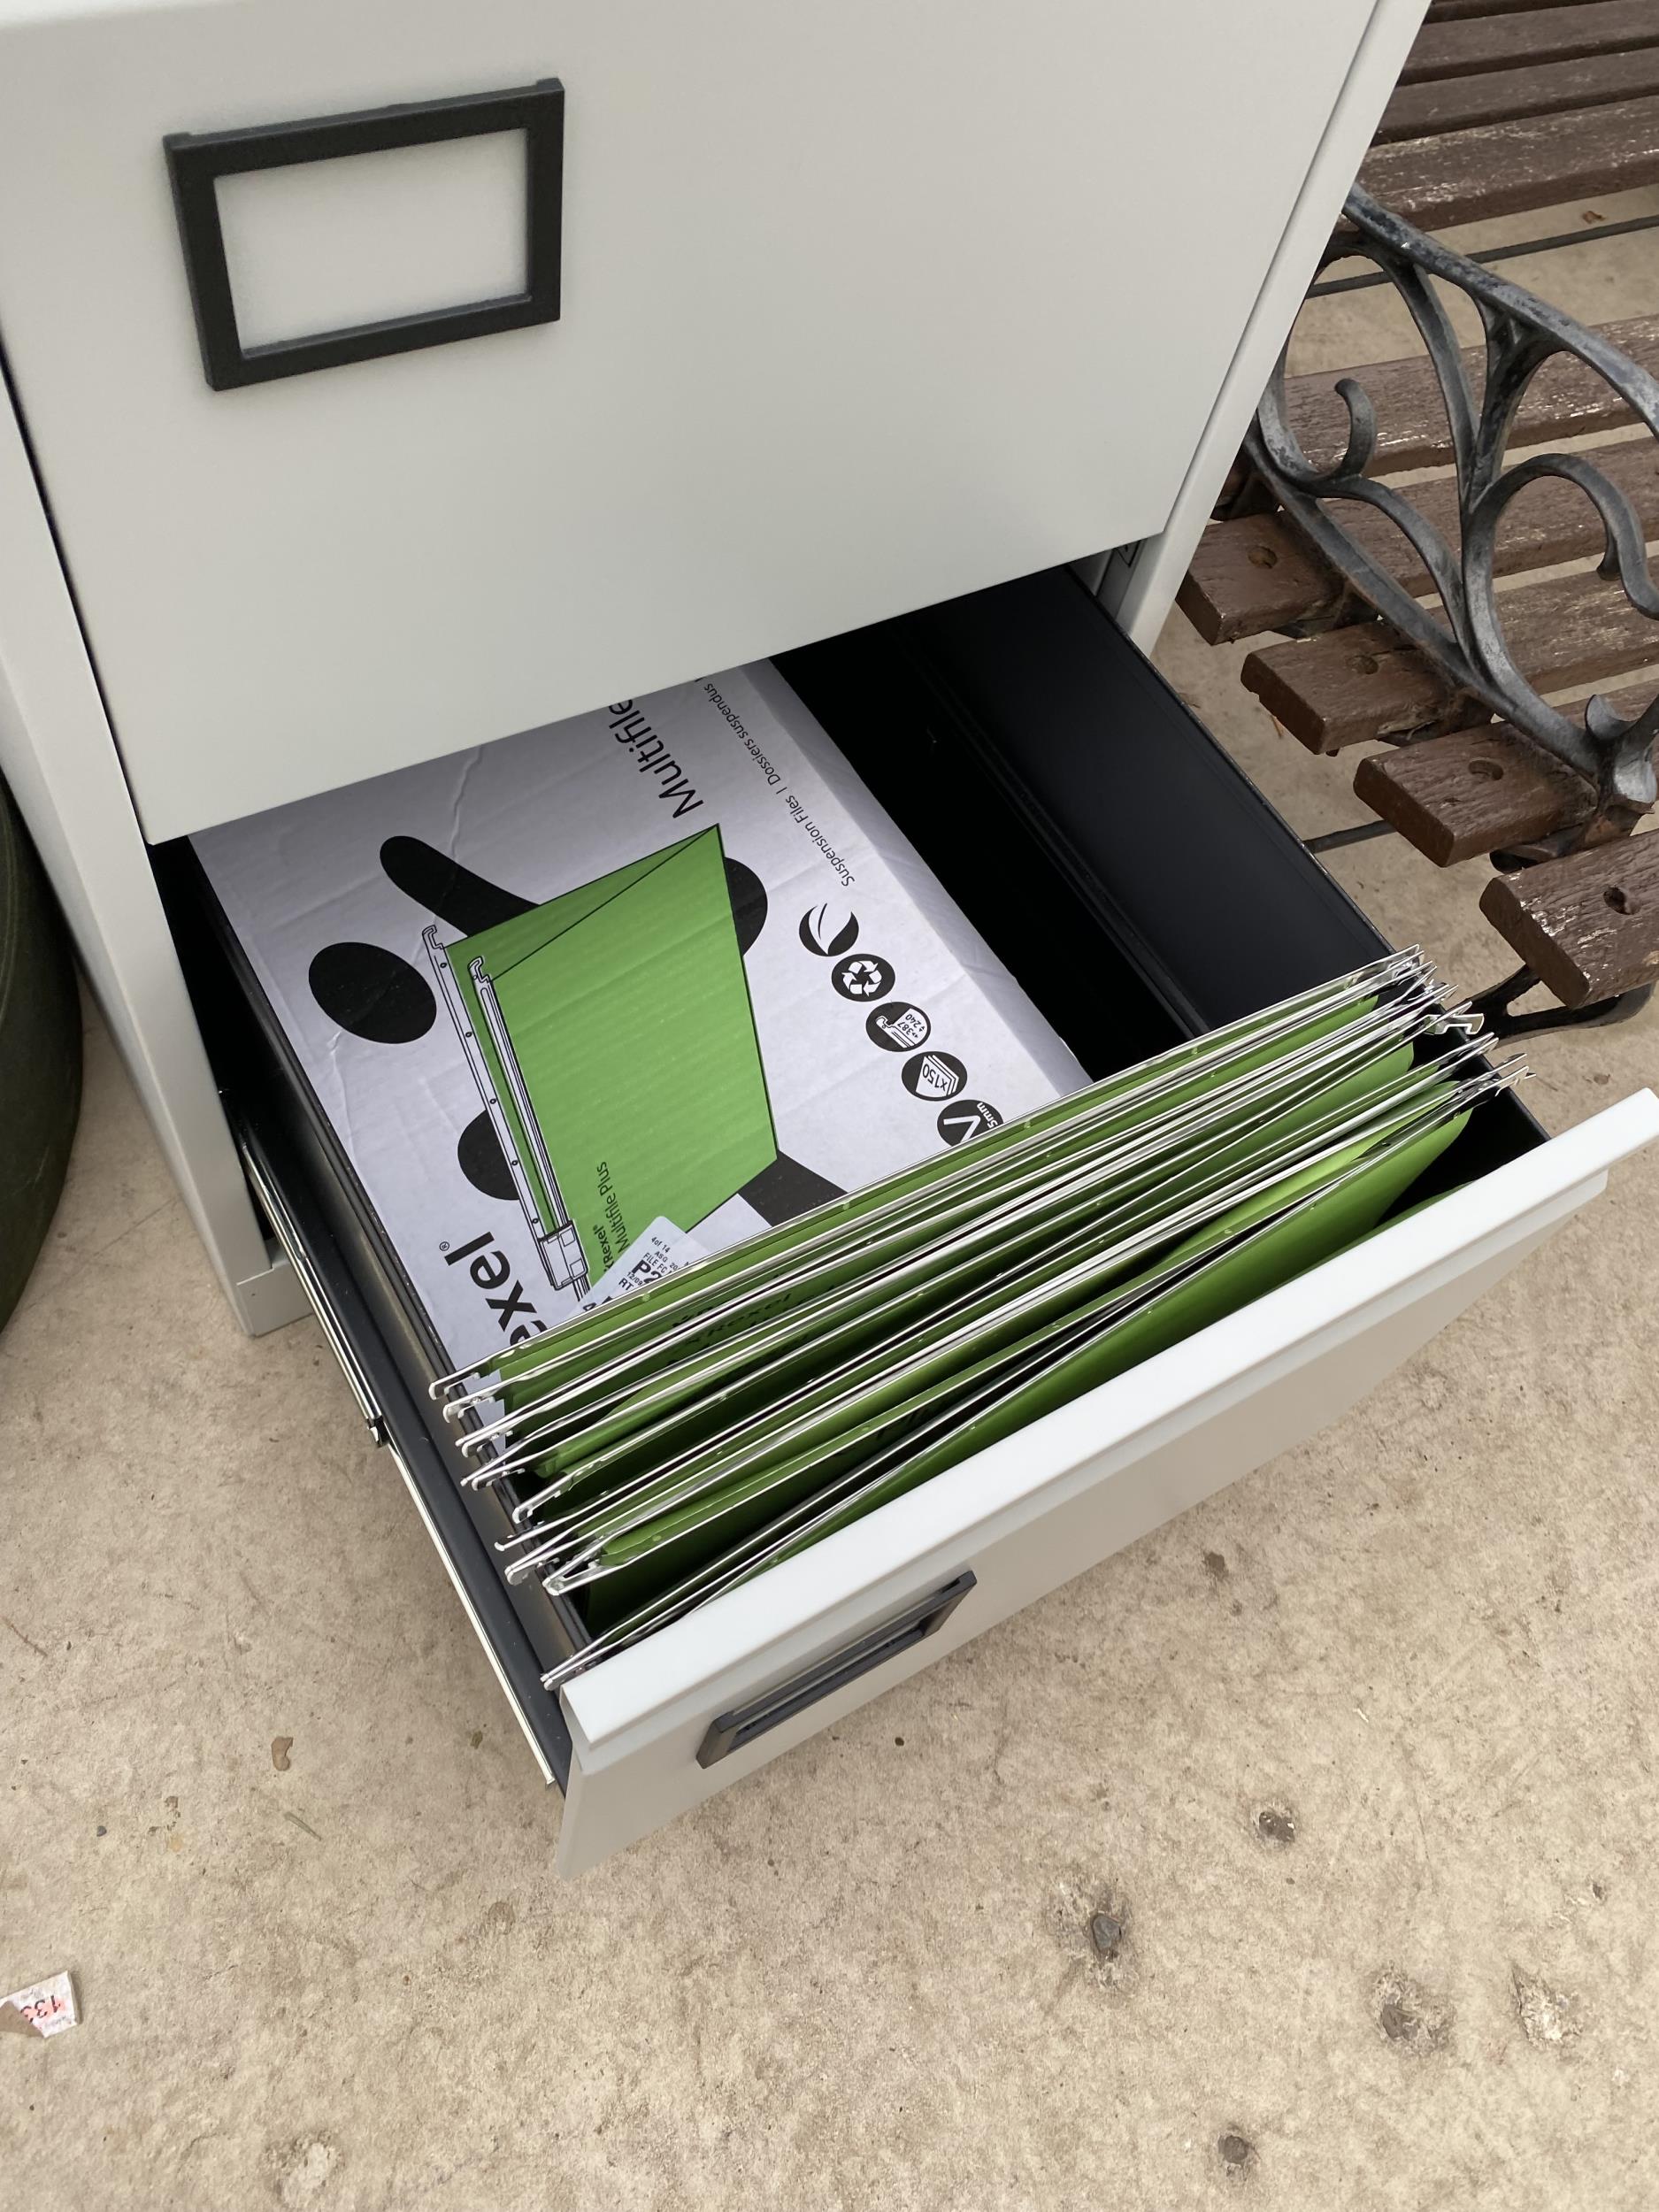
(386, 380)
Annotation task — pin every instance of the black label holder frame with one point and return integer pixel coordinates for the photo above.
(196, 160)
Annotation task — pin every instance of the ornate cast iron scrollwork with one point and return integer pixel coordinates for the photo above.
(1613, 755)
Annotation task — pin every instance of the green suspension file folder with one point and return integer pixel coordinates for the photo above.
(612, 1039)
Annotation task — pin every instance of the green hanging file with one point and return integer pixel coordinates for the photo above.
(613, 1039)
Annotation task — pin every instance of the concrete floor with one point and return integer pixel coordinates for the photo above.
(265, 1800)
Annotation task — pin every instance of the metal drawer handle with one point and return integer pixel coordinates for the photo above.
(732, 1731)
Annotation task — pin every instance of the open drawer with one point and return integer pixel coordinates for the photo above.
(1143, 891)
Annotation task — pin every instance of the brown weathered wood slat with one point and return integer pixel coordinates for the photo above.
(1510, 168)
(1348, 688)
(1459, 104)
(1258, 572)
(1564, 400)
(1481, 790)
(1467, 47)
(1475, 791)
(1364, 682)
(1458, 11)
(1253, 574)
(1588, 925)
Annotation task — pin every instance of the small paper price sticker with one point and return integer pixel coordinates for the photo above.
(657, 1251)
(44, 2008)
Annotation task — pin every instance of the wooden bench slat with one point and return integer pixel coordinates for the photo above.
(1258, 572)
(1472, 792)
(1364, 682)
(1564, 400)
(1457, 103)
(1466, 47)
(1481, 790)
(1253, 574)
(1346, 689)
(1510, 168)
(1458, 11)
(1588, 925)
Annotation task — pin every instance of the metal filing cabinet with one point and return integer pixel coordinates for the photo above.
(384, 380)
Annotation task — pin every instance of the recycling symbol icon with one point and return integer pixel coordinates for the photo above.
(864, 976)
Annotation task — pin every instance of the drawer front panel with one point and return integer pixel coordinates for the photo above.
(1036, 1509)
(858, 309)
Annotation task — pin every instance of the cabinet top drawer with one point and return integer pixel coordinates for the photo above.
(856, 310)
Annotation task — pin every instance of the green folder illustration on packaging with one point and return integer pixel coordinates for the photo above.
(611, 1037)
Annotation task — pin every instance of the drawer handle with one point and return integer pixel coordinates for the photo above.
(197, 160)
(732, 1731)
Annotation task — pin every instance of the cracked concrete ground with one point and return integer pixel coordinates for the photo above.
(1303, 1854)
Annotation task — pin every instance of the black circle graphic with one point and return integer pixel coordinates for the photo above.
(934, 1075)
(374, 993)
(480, 1159)
(966, 1117)
(748, 895)
(898, 1026)
(865, 976)
(828, 929)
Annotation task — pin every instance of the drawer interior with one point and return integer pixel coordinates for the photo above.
(1124, 832)
(1136, 885)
